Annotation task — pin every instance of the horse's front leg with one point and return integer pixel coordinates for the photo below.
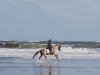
(57, 57)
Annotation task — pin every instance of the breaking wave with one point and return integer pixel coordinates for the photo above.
(66, 52)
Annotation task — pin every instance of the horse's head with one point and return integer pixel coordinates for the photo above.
(59, 47)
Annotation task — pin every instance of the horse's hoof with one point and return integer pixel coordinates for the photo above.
(32, 57)
(49, 60)
(59, 60)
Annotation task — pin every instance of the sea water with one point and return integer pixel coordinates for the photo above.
(78, 61)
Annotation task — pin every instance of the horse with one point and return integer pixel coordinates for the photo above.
(44, 52)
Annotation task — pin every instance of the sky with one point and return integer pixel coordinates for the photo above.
(60, 20)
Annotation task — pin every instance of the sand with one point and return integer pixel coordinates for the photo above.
(21, 66)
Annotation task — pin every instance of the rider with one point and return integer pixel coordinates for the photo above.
(49, 46)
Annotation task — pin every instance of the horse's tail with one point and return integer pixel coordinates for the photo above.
(36, 54)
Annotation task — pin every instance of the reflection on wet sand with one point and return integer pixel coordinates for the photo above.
(47, 69)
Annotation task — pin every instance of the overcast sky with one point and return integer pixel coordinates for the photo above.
(70, 20)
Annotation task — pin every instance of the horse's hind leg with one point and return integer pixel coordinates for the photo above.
(40, 56)
(57, 57)
(46, 57)
(35, 54)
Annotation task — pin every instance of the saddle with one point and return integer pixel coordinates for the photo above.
(51, 52)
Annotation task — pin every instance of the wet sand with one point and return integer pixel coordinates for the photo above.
(20, 66)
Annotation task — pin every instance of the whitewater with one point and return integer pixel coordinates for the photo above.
(66, 52)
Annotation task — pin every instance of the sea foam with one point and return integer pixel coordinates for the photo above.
(66, 52)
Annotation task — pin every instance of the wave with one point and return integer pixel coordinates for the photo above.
(66, 52)
(79, 53)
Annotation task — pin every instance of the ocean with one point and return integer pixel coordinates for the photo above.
(73, 61)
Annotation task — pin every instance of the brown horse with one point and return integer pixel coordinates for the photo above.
(44, 52)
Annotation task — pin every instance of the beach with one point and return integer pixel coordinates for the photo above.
(67, 30)
(73, 61)
(21, 66)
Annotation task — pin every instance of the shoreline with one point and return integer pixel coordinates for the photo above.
(65, 67)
